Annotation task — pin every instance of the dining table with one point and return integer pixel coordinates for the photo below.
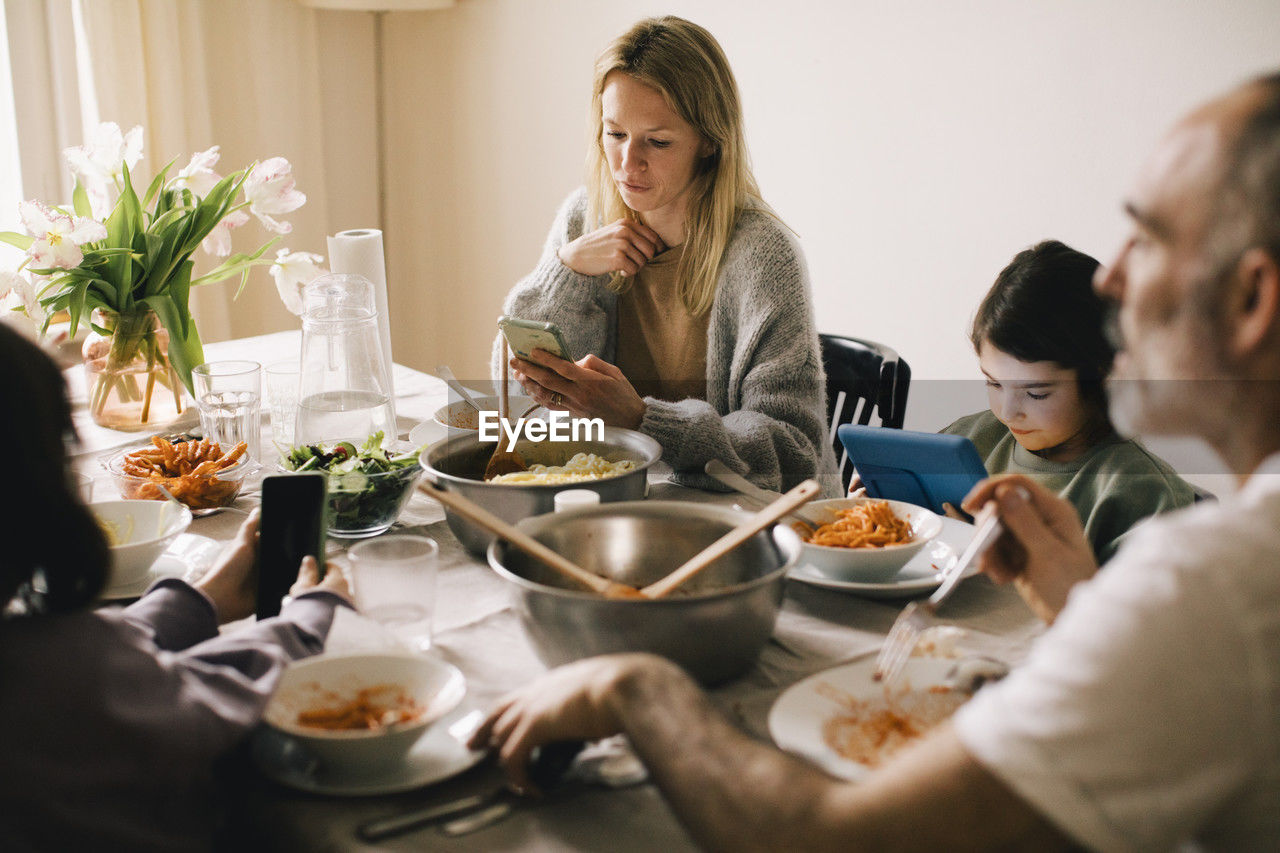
(478, 629)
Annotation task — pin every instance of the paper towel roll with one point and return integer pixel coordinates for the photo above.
(359, 252)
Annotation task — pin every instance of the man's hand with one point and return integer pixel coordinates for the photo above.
(590, 388)
(623, 246)
(1043, 550)
(573, 702)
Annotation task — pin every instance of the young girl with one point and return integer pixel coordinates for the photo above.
(1039, 335)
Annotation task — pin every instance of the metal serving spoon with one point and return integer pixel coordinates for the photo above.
(717, 470)
(443, 371)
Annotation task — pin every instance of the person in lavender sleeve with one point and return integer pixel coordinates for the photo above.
(114, 718)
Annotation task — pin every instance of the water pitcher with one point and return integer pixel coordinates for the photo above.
(344, 392)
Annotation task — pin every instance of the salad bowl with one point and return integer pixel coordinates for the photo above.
(368, 485)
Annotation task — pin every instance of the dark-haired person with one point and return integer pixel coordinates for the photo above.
(684, 299)
(1041, 344)
(113, 718)
(1145, 717)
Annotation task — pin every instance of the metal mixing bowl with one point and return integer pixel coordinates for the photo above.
(714, 626)
(457, 465)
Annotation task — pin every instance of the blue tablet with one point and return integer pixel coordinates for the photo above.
(924, 468)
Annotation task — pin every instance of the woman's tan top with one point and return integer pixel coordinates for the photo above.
(662, 348)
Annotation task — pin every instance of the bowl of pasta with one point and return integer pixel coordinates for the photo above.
(614, 464)
(362, 712)
(866, 540)
(199, 473)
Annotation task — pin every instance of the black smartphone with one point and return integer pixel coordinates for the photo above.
(292, 527)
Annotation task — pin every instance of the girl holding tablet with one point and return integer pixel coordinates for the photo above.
(1041, 344)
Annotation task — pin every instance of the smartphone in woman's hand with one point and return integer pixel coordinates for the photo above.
(525, 336)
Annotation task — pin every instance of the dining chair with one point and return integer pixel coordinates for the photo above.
(864, 378)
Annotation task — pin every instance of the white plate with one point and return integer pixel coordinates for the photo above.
(188, 557)
(437, 756)
(920, 575)
(427, 432)
(798, 715)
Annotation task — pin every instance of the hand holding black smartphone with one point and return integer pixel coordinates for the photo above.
(292, 527)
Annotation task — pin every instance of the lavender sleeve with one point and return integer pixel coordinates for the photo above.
(221, 682)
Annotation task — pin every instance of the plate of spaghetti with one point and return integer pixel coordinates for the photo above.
(848, 724)
(866, 539)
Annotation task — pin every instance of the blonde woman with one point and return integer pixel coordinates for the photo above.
(684, 299)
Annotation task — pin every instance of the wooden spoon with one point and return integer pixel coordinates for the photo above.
(481, 516)
(784, 505)
(504, 461)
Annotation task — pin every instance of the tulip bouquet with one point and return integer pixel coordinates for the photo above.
(123, 262)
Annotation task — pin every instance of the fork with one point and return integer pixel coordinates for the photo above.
(915, 617)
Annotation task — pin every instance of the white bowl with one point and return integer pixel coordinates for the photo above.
(458, 418)
(870, 565)
(140, 532)
(323, 682)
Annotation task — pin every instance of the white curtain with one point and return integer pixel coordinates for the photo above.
(46, 95)
(240, 74)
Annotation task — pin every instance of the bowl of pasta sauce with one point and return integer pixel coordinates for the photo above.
(614, 466)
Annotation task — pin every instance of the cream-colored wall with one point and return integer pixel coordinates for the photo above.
(914, 146)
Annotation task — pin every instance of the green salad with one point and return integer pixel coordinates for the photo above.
(367, 485)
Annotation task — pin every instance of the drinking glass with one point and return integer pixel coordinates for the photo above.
(282, 380)
(394, 581)
(229, 396)
(84, 485)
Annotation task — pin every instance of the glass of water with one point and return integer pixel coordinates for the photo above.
(229, 396)
(394, 581)
(282, 381)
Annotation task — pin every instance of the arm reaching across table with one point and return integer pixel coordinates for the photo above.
(735, 793)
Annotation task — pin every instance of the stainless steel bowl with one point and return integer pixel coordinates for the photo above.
(714, 626)
(457, 465)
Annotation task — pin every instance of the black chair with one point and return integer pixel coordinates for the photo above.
(863, 378)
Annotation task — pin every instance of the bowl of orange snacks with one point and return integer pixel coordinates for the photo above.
(359, 712)
(866, 540)
(199, 473)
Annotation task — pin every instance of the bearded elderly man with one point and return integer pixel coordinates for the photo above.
(1148, 714)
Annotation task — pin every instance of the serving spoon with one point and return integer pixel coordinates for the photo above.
(443, 371)
(784, 505)
(526, 543)
(717, 470)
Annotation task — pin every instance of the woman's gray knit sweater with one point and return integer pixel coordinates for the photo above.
(764, 415)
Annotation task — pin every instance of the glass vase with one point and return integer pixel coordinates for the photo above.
(130, 383)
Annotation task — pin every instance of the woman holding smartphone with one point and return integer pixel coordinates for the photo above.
(684, 299)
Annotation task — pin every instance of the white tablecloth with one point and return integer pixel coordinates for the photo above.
(478, 630)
